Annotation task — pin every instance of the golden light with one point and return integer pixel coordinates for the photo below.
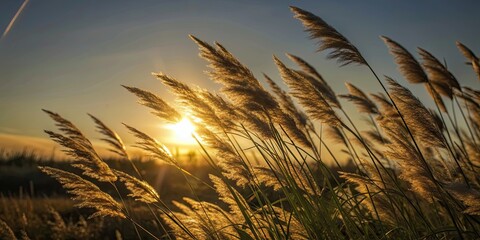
(182, 132)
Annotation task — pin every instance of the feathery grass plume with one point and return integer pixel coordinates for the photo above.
(418, 118)
(443, 80)
(290, 126)
(139, 190)
(473, 60)
(412, 169)
(235, 203)
(111, 137)
(313, 101)
(360, 99)
(286, 103)
(206, 221)
(216, 222)
(154, 148)
(239, 84)
(467, 97)
(81, 149)
(316, 80)
(472, 102)
(268, 177)
(375, 137)
(225, 110)
(335, 134)
(473, 153)
(474, 94)
(306, 67)
(256, 123)
(87, 194)
(232, 165)
(159, 107)
(292, 121)
(200, 108)
(304, 180)
(408, 65)
(323, 88)
(375, 200)
(296, 230)
(277, 180)
(191, 100)
(432, 90)
(328, 38)
(86, 160)
(438, 120)
(69, 129)
(229, 117)
(5, 231)
(386, 107)
(188, 219)
(470, 197)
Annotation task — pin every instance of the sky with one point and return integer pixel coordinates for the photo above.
(72, 57)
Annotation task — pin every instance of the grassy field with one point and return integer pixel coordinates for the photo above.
(31, 201)
(410, 173)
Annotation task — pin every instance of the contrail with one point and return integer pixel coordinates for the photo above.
(24, 4)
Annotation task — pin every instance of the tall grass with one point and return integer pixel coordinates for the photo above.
(416, 169)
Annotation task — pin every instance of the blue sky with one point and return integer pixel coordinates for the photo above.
(72, 56)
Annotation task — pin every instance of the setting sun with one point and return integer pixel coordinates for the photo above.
(182, 131)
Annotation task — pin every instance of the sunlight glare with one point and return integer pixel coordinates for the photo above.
(183, 131)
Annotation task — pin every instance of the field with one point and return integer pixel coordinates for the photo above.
(37, 204)
(271, 163)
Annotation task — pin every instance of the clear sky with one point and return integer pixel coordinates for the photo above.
(72, 56)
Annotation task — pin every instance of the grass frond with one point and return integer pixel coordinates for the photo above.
(329, 38)
(87, 194)
(407, 64)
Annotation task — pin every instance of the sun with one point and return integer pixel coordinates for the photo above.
(183, 131)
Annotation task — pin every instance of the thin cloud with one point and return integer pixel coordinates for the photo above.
(20, 10)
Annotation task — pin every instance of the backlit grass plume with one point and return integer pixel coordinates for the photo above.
(159, 107)
(471, 57)
(408, 65)
(311, 99)
(87, 194)
(417, 116)
(441, 78)
(299, 162)
(361, 100)
(238, 81)
(111, 137)
(139, 190)
(81, 149)
(329, 38)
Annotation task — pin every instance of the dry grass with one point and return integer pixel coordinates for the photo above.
(416, 172)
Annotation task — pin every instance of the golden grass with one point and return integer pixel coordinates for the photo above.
(416, 168)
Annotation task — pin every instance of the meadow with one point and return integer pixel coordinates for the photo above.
(411, 172)
(31, 201)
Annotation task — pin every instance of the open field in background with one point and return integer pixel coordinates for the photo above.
(33, 202)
